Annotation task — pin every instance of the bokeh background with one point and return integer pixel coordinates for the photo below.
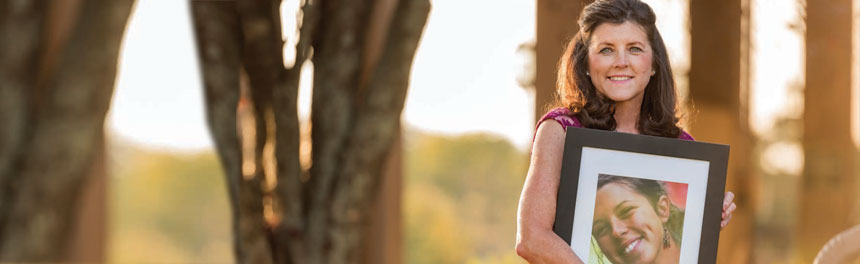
(778, 80)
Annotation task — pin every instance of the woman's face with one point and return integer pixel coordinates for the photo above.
(619, 60)
(627, 228)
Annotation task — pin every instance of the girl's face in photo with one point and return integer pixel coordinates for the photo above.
(619, 59)
(626, 226)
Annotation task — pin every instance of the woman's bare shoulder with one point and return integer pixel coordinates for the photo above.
(550, 135)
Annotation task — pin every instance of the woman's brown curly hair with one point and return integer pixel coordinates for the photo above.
(658, 115)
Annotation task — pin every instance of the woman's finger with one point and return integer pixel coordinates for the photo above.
(728, 200)
(725, 222)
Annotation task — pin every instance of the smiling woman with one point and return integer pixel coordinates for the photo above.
(635, 221)
(614, 75)
(620, 63)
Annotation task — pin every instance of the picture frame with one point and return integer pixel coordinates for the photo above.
(602, 175)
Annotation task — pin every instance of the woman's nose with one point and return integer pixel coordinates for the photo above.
(618, 228)
(620, 60)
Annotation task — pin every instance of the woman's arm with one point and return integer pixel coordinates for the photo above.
(536, 242)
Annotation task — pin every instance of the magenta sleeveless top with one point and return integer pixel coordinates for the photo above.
(566, 119)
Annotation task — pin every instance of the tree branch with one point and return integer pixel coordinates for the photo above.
(219, 45)
(292, 228)
(337, 60)
(376, 120)
(263, 60)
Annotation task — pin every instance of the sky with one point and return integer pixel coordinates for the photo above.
(464, 75)
(158, 95)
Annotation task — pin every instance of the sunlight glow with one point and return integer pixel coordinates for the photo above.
(305, 94)
(158, 98)
(778, 63)
(290, 11)
(783, 158)
(673, 20)
(463, 78)
(855, 75)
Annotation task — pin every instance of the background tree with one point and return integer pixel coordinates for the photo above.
(362, 53)
(57, 70)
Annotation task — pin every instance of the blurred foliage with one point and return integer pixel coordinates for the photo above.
(460, 198)
(460, 202)
(167, 207)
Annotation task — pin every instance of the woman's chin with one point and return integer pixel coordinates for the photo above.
(620, 96)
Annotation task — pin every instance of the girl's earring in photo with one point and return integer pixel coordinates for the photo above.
(665, 237)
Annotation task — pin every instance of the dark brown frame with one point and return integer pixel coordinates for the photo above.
(716, 154)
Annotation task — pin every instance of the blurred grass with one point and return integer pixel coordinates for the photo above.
(167, 207)
(460, 198)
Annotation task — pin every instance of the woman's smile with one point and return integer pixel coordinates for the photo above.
(620, 79)
(632, 245)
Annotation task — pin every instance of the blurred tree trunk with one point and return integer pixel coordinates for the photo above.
(58, 64)
(828, 204)
(718, 90)
(556, 25)
(361, 72)
(385, 243)
(87, 240)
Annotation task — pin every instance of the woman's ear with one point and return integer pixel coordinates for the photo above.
(663, 208)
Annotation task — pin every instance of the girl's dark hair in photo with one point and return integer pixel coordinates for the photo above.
(576, 92)
(652, 190)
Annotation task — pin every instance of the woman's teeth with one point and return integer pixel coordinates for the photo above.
(620, 78)
(631, 246)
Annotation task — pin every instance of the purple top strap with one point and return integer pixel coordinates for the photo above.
(564, 117)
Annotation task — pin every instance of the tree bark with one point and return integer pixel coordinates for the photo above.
(20, 30)
(337, 62)
(219, 45)
(60, 135)
(828, 203)
(323, 210)
(556, 25)
(718, 92)
(290, 191)
(376, 117)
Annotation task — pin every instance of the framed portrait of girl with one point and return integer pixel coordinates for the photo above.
(627, 198)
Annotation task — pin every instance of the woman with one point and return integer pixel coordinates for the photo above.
(635, 221)
(614, 75)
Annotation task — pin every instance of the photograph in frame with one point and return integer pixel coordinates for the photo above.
(626, 198)
(634, 218)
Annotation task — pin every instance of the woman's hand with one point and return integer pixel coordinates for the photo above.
(728, 209)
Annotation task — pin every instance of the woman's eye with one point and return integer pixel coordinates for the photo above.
(599, 231)
(605, 50)
(626, 212)
(636, 49)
